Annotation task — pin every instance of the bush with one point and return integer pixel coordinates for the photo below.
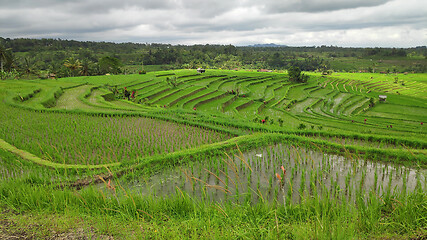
(280, 122)
(295, 75)
(371, 102)
(171, 81)
(109, 97)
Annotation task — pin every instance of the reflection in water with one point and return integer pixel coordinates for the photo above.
(258, 175)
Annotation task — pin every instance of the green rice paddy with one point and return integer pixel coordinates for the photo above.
(223, 154)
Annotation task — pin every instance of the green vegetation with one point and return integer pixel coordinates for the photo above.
(295, 75)
(224, 154)
(54, 58)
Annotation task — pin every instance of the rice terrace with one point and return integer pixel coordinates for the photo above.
(221, 154)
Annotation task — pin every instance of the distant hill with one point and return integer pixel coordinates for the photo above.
(267, 45)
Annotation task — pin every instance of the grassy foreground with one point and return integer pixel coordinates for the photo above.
(201, 223)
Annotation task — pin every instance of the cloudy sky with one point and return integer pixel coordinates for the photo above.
(349, 23)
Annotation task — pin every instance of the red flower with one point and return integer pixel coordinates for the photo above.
(391, 126)
(263, 121)
(194, 109)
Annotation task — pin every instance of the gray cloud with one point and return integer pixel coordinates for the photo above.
(317, 5)
(293, 22)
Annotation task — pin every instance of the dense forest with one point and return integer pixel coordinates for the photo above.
(31, 58)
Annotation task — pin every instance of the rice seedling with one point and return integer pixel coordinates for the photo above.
(93, 140)
(310, 172)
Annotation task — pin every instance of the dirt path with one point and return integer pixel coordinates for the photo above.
(70, 99)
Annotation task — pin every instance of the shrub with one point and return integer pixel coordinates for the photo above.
(280, 122)
(295, 75)
(171, 81)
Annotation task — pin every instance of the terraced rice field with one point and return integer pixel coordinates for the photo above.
(248, 150)
(255, 96)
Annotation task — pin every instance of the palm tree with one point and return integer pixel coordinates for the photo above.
(2, 56)
(85, 67)
(10, 62)
(7, 62)
(5, 58)
(28, 66)
(73, 65)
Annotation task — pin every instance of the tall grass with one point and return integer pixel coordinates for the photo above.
(315, 217)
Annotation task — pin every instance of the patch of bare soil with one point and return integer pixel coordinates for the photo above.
(11, 230)
(80, 233)
(81, 183)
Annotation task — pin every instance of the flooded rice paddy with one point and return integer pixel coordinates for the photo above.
(282, 174)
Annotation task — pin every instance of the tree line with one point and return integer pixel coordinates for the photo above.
(26, 57)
